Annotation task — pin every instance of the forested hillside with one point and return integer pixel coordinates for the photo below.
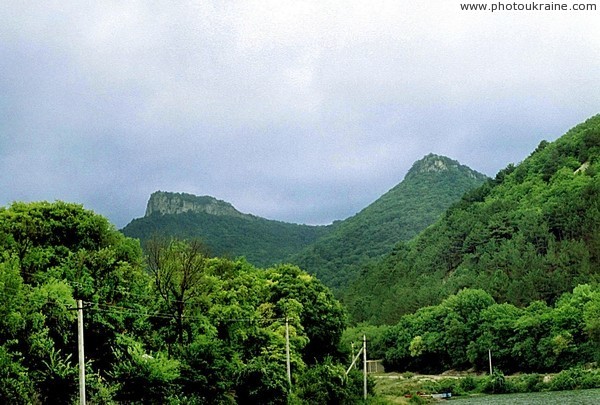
(225, 231)
(428, 189)
(174, 326)
(458, 334)
(335, 253)
(532, 233)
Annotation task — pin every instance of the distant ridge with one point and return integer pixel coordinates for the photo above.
(335, 253)
(225, 230)
(531, 234)
(166, 203)
(432, 184)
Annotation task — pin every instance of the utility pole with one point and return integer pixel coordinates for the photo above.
(354, 359)
(287, 352)
(490, 358)
(365, 366)
(81, 353)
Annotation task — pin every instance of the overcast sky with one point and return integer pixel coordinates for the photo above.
(297, 111)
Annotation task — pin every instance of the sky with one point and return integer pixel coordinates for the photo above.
(299, 111)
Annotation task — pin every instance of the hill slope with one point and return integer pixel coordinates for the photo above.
(530, 234)
(225, 230)
(430, 187)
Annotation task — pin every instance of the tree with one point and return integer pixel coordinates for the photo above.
(178, 268)
(321, 315)
(51, 254)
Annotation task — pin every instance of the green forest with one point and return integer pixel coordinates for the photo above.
(458, 333)
(335, 253)
(432, 185)
(530, 234)
(261, 241)
(171, 326)
(508, 268)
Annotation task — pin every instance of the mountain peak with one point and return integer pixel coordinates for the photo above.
(433, 163)
(163, 202)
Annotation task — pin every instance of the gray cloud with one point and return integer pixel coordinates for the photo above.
(298, 111)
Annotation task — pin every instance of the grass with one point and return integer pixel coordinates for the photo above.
(578, 384)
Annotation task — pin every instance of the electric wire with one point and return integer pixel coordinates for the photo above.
(113, 308)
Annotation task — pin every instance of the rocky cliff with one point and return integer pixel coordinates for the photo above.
(433, 163)
(162, 203)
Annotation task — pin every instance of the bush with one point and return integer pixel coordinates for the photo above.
(495, 384)
(566, 380)
(468, 384)
(590, 379)
(326, 383)
(452, 385)
(416, 399)
(527, 383)
(575, 378)
(15, 385)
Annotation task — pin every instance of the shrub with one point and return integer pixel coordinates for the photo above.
(575, 378)
(326, 383)
(451, 385)
(566, 380)
(590, 379)
(495, 384)
(528, 383)
(468, 384)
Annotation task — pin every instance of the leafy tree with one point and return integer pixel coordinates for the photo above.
(15, 385)
(185, 329)
(142, 374)
(322, 317)
(178, 269)
(459, 332)
(52, 254)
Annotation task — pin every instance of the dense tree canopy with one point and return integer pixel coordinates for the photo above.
(459, 332)
(176, 325)
(432, 185)
(530, 234)
(261, 241)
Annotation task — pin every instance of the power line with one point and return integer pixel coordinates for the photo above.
(73, 283)
(130, 311)
(112, 308)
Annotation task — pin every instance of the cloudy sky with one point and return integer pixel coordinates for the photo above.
(302, 111)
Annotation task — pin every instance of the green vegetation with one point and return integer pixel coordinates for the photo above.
(471, 388)
(458, 333)
(511, 268)
(335, 253)
(532, 233)
(174, 327)
(261, 241)
(429, 188)
(576, 397)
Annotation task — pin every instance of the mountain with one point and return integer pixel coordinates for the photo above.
(335, 253)
(178, 203)
(532, 233)
(224, 230)
(428, 189)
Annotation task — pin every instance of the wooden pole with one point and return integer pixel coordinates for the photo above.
(365, 366)
(287, 352)
(354, 361)
(81, 353)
